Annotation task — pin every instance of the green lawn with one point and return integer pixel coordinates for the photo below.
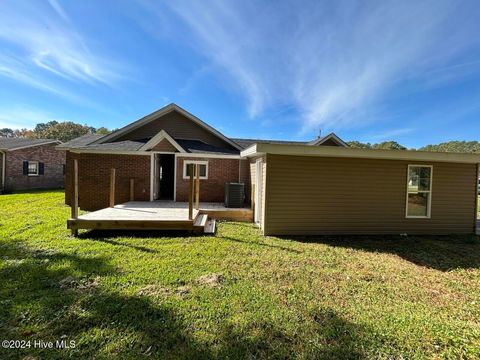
(145, 297)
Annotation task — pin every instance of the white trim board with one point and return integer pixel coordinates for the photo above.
(430, 192)
(33, 145)
(195, 162)
(336, 151)
(148, 153)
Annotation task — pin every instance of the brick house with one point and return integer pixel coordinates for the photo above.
(30, 164)
(155, 151)
(295, 188)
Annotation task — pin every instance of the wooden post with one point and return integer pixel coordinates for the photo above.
(132, 189)
(252, 197)
(197, 187)
(112, 187)
(190, 193)
(74, 201)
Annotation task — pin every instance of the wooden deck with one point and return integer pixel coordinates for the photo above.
(158, 215)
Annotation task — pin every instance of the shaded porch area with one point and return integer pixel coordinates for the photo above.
(159, 215)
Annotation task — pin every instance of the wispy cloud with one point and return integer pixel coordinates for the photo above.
(389, 134)
(23, 116)
(331, 60)
(43, 36)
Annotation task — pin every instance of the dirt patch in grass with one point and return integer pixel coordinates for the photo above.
(211, 280)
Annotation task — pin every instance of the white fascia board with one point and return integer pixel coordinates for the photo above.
(332, 151)
(29, 146)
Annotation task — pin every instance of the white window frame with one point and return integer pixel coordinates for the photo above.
(37, 166)
(430, 192)
(195, 162)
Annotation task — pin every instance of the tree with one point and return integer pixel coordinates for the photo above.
(102, 131)
(386, 145)
(44, 126)
(454, 146)
(7, 133)
(359, 145)
(63, 131)
(24, 133)
(389, 145)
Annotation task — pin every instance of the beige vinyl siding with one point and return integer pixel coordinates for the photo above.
(178, 127)
(317, 195)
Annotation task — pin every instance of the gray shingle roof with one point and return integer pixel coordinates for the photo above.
(244, 143)
(127, 145)
(81, 141)
(14, 143)
(197, 146)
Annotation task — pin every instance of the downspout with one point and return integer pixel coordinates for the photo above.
(4, 159)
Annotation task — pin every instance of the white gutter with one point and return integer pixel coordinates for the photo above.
(336, 151)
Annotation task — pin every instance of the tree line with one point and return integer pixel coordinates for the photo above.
(63, 131)
(449, 146)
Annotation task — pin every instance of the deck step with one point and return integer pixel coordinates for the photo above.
(200, 221)
(210, 227)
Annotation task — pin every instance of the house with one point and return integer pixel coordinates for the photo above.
(316, 187)
(30, 164)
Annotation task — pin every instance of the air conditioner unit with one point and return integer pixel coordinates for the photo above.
(234, 195)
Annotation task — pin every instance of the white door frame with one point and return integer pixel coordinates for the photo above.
(258, 191)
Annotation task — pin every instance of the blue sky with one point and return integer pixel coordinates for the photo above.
(368, 70)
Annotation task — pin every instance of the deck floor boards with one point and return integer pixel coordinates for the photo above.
(156, 210)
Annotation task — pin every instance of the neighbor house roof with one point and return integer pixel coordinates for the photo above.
(9, 144)
(244, 143)
(330, 137)
(80, 141)
(347, 152)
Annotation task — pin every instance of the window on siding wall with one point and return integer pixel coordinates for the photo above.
(419, 191)
(203, 169)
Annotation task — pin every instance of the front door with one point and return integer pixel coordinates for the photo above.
(165, 176)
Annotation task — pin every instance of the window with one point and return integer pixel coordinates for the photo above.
(203, 169)
(419, 191)
(33, 168)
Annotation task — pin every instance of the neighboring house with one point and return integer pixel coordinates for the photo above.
(30, 164)
(316, 187)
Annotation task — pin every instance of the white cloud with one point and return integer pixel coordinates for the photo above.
(331, 60)
(389, 134)
(23, 116)
(46, 40)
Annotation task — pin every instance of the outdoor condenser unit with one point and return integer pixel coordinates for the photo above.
(234, 195)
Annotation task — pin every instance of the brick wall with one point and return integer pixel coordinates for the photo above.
(53, 168)
(94, 178)
(212, 189)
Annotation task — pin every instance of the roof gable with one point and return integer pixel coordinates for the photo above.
(162, 142)
(330, 140)
(174, 120)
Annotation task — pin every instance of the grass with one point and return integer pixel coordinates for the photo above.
(122, 296)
